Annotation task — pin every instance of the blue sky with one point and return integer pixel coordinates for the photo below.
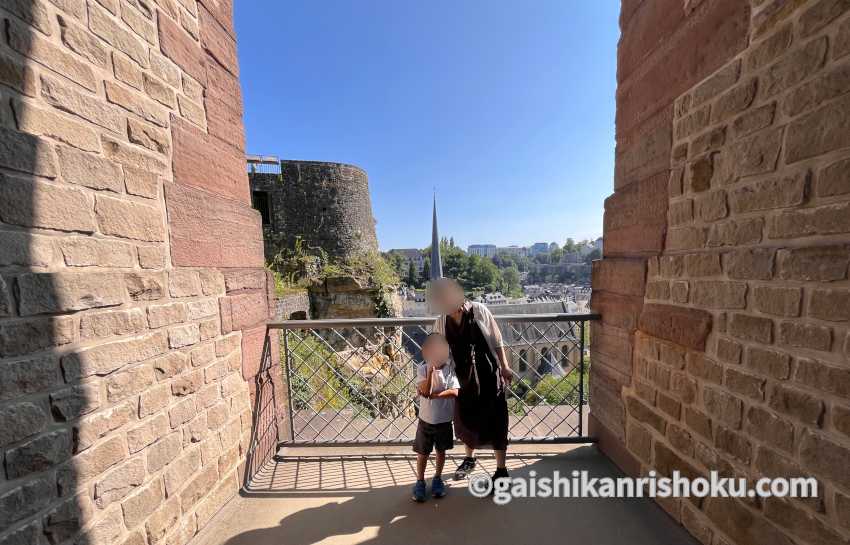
(506, 107)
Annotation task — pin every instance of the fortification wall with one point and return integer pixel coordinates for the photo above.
(724, 343)
(132, 289)
(325, 204)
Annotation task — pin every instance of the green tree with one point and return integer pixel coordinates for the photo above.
(482, 274)
(570, 246)
(510, 282)
(411, 274)
(396, 261)
(595, 254)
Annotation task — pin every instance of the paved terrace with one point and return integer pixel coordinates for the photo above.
(354, 495)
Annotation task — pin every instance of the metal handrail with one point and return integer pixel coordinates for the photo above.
(425, 320)
(315, 420)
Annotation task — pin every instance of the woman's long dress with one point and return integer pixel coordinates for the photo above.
(481, 411)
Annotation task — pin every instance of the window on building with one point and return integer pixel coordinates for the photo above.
(545, 366)
(565, 356)
(261, 202)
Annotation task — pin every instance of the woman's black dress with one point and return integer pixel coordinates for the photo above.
(481, 410)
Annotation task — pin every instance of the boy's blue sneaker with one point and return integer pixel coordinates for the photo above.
(419, 493)
(438, 487)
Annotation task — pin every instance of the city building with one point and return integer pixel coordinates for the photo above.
(538, 248)
(597, 244)
(571, 257)
(483, 250)
(516, 251)
(493, 298)
(410, 255)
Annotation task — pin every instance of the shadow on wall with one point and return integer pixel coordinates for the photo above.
(40, 394)
(265, 420)
(77, 340)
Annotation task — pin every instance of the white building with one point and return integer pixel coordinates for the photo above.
(516, 251)
(483, 250)
(494, 299)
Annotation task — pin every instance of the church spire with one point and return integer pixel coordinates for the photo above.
(436, 262)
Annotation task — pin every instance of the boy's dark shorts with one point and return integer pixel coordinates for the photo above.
(429, 436)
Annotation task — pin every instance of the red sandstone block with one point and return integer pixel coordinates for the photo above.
(607, 407)
(209, 231)
(271, 293)
(609, 377)
(639, 203)
(650, 26)
(179, 46)
(612, 342)
(617, 310)
(204, 161)
(222, 12)
(243, 310)
(638, 240)
(223, 102)
(688, 327)
(241, 280)
(742, 524)
(217, 41)
(646, 150)
(717, 33)
(258, 355)
(621, 364)
(623, 276)
(819, 132)
(612, 446)
(636, 218)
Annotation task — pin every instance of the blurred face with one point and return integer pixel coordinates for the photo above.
(436, 349)
(445, 296)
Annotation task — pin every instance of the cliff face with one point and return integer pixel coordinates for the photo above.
(346, 297)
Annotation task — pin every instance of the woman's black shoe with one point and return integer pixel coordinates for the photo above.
(465, 468)
(501, 473)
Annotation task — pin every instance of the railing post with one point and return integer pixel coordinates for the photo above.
(286, 364)
(581, 380)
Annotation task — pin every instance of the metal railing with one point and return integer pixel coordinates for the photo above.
(257, 164)
(353, 381)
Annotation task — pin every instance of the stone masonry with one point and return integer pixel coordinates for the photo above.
(327, 205)
(135, 397)
(724, 289)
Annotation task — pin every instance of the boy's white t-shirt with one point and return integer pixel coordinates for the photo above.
(437, 411)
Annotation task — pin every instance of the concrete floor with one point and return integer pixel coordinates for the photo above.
(353, 495)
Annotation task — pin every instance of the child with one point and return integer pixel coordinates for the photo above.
(437, 387)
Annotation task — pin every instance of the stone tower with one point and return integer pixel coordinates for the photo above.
(327, 205)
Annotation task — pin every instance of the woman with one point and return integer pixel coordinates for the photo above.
(481, 410)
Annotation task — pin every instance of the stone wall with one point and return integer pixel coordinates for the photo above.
(293, 306)
(132, 294)
(724, 285)
(327, 205)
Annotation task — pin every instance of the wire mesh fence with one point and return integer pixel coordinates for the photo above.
(353, 381)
